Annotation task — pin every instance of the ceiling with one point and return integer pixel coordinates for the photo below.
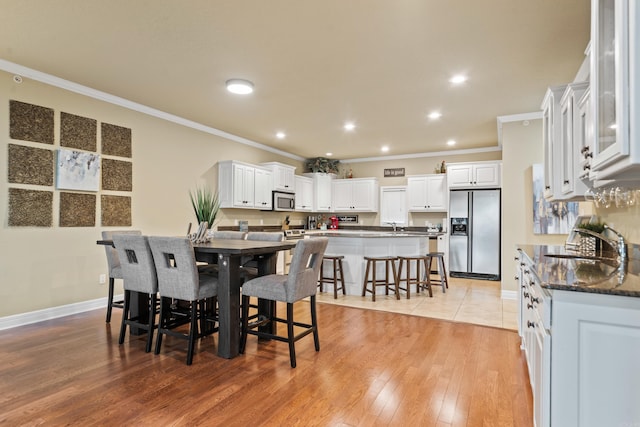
(383, 64)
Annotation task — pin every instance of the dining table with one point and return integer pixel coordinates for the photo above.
(227, 254)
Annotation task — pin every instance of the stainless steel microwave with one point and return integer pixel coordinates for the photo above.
(283, 201)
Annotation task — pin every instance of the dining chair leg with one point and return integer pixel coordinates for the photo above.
(314, 323)
(125, 315)
(152, 322)
(110, 300)
(245, 324)
(164, 308)
(292, 348)
(193, 331)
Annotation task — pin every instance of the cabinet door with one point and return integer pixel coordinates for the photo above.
(417, 193)
(263, 184)
(437, 193)
(393, 205)
(487, 175)
(460, 176)
(610, 80)
(304, 194)
(342, 195)
(364, 196)
(243, 186)
(284, 179)
(322, 193)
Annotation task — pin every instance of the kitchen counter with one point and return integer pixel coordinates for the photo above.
(372, 234)
(601, 276)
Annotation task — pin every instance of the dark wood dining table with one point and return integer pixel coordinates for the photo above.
(227, 253)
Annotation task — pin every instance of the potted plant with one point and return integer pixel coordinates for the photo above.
(206, 205)
(322, 165)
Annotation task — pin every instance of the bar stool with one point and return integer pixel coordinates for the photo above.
(371, 266)
(420, 280)
(442, 279)
(337, 275)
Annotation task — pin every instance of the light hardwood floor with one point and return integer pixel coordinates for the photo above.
(466, 300)
(374, 368)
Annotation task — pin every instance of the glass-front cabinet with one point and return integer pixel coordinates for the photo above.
(614, 89)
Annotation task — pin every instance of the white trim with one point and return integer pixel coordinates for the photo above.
(116, 100)
(512, 295)
(420, 155)
(28, 318)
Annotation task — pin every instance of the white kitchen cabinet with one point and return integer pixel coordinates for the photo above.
(263, 189)
(551, 142)
(304, 194)
(571, 125)
(427, 193)
(595, 379)
(321, 191)
(283, 176)
(615, 89)
(443, 246)
(355, 195)
(474, 175)
(237, 185)
(585, 137)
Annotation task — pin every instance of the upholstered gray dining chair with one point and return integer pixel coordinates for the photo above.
(241, 235)
(301, 282)
(138, 275)
(179, 279)
(115, 272)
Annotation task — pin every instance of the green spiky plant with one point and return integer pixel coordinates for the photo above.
(206, 204)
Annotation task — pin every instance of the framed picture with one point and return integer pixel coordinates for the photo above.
(77, 170)
(550, 217)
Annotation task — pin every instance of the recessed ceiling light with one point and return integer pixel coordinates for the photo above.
(239, 86)
(328, 154)
(451, 142)
(435, 115)
(349, 126)
(385, 148)
(458, 79)
(280, 135)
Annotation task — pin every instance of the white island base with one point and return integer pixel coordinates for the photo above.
(355, 246)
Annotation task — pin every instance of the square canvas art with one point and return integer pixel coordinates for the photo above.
(550, 217)
(77, 170)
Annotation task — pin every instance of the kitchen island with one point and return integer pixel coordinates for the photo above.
(354, 245)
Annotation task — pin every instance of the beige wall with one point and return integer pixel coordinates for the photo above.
(48, 267)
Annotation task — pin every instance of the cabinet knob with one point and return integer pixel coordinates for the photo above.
(516, 277)
(586, 167)
(530, 324)
(566, 181)
(536, 300)
(547, 187)
(530, 306)
(526, 294)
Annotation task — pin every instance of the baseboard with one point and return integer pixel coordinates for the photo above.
(509, 295)
(28, 318)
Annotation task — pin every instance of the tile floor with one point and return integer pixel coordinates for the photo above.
(466, 300)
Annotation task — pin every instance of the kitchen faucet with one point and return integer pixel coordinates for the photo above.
(619, 245)
(394, 225)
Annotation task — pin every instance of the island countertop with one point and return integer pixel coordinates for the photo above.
(602, 276)
(372, 234)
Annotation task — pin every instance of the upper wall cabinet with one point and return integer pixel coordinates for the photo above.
(304, 194)
(321, 191)
(283, 176)
(573, 125)
(427, 193)
(551, 140)
(615, 89)
(474, 175)
(242, 185)
(355, 195)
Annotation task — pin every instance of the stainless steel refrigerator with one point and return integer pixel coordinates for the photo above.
(474, 243)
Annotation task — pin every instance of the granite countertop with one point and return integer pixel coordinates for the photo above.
(369, 234)
(602, 276)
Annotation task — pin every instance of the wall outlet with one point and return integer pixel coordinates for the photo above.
(102, 279)
(235, 222)
(261, 222)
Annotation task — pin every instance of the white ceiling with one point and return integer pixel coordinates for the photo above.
(383, 64)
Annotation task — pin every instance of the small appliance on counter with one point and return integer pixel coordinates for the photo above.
(312, 222)
(334, 222)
